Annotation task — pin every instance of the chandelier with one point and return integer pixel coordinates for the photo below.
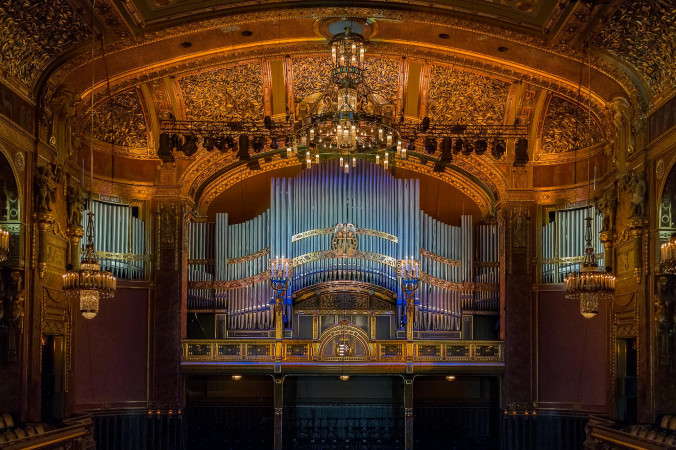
(590, 285)
(4, 245)
(668, 253)
(89, 284)
(347, 120)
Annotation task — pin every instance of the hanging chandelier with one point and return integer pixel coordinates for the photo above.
(89, 284)
(590, 285)
(4, 245)
(347, 121)
(668, 253)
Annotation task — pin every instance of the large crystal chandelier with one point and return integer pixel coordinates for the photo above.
(590, 285)
(348, 122)
(4, 245)
(89, 284)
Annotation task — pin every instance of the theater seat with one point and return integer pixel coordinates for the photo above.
(8, 420)
(664, 423)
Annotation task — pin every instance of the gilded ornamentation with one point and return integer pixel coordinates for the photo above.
(250, 257)
(19, 161)
(121, 121)
(644, 35)
(660, 168)
(366, 231)
(168, 216)
(345, 240)
(230, 93)
(323, 254)
(305, 79)
(382, 76)
(33, 33)
(439, 258)
(566, 127)
(456, 96)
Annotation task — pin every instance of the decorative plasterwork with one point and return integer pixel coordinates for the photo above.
(32, 33)
(643, 33)
(310, 75)
(566, 127)
(382, 77)
(120, 121)
(276, 16)
(457, 96)
(230, 93)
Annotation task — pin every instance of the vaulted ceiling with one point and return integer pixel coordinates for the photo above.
(492, 62)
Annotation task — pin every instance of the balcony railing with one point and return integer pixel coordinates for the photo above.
(391, 351)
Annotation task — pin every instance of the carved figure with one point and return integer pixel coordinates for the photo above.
(638, 189)
(167, 216)
(607, 204)
(75, 205)
(45, 190)
(61, 120)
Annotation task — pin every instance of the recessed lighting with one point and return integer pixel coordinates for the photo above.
(186, 44)
(503, 49)
(247, 33)
(237, 377)
(444, 36)
(450, 377)
(344, 377)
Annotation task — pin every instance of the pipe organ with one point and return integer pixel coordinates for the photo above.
(341, 229)
(563, 242)
(120, 239)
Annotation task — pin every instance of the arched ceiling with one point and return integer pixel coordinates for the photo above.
(506, 61)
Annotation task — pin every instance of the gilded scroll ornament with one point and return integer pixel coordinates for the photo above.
(365, 231)
(439, 258)
(566, 127)
(120, 121)
(644, 35)
(457, 96)
(230, 93)
(32, 33)
(250, 257)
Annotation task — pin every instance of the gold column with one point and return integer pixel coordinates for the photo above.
(44, 222)
(75, 234)
(279, 327)
(608, 239)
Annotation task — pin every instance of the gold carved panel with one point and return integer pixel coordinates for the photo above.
(644, 35)
(566, 127)
(229, 93)
(120, 121)
(457, 96)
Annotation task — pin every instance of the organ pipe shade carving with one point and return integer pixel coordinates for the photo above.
(337, 227)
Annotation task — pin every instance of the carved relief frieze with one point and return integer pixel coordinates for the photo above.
(566, 127)
(310, 75)
(644, 35)
(230, 93)
(457, 96)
